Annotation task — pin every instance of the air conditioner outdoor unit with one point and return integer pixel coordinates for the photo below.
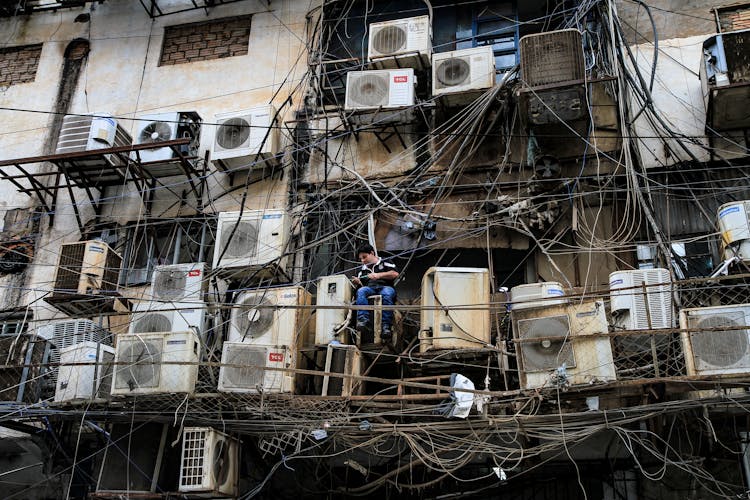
(534, 295)
(716, 340)
(461, 71)
(571, 335)
(553, 70)
(162, 127)
(332, 291)
(445, 324)
(734, 225)
(377, 90)
(641, 299)
(400, 43)
(347, 360)
(85, 372)
(552, 57)
(246, 140)
(272, 316)
(153, 317)
(90, 132)
(63, 334)
(86, 268)
(178, 283)
(210, 462)
(244, 368)
(254, 242)
(725, 80)
(154, 363)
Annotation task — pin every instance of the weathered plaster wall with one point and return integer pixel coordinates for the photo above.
(121, 76)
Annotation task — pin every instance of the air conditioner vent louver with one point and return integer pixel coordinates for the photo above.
(249, 372)
(233, 133)
(549, 353)
(390, 39)
(453, 71)
(155, 132)
(244, 240)
(254, 317)
(142, 365)
(169, 285)
(719, 344)
(552, 57)
(370, 90)
(153, 322)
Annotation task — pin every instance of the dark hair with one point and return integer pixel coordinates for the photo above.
(366, 248)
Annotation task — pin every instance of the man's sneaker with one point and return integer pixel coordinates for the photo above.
(387, 334)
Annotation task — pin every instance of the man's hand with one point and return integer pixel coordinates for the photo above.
(355, 281)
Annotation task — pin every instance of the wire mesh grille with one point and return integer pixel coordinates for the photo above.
(194, 458)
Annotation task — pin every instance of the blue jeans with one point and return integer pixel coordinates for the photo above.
(389, 297)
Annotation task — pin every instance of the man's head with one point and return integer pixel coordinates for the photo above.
(366, 254)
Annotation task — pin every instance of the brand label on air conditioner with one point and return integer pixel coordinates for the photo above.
(616, 282)
(194, 272)
(586, 313)
(272, 216)
(729, 210)
(176, 342)
(275, 356)
(96, 249)
(289, 295)
(446, 327)
(555, 291)
(401, 79)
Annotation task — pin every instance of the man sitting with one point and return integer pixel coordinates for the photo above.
(375, 277)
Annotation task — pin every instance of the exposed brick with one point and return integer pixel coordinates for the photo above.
(208, 40)
(19, 64)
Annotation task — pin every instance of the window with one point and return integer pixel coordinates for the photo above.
(494, 24)
(203, 41)
(152, 243)
(13, 323)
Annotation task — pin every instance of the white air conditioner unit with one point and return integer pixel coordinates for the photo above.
(162, 127)
(533, 295)
(641, 299)
(178, 283)
(400, 43)
(210, 462)
(716, 340)
(445, 324)
(85, 372)
(572, 335)
(380, 90)
(332, 291)
(154, 363)
(244, 368)
(272, 316)
(90, 132)
(734, 225)
(246, 140)
(255, 242)
(86, 268)
(154, 317)
(463, 71)
(725, 80)
(63, 334)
